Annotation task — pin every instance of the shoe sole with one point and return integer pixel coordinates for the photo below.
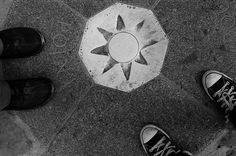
(150, 126)
(204, 80)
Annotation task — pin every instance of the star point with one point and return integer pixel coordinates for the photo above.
(126, 67)
(103, 50)
(100, 51)
(120, 23)
(110, 64)
(106, 34)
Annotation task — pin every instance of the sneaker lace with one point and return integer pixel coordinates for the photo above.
(227, 97)
(166, 150)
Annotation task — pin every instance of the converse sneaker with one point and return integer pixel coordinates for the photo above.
(157, 143)
(221, 89)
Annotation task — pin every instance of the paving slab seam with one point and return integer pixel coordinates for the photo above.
(37, 148)
(198, 101)
(4, 12)
(73, 111)
(73, 10)
(155, 4)
(68, 118)
(83, 67)
(77, 105)
(209, 148)
(213, 149)
(78, 37)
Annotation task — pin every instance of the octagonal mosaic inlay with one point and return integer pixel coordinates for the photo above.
(123, 47)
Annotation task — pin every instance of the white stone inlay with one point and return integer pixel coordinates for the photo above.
(123, 47)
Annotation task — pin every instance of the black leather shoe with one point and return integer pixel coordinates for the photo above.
(21, 42)
(30, 93)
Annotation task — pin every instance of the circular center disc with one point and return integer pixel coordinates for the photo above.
(123, 47)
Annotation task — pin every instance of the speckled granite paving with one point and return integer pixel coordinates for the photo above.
(84, 118)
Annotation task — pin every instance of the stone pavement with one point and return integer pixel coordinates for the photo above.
(85, 118)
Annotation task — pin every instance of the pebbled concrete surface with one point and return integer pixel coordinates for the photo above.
(223, 145)
(88, 119)
(16, 137)
(58, 61)
(89, 8)
(11, 144)
(197, 30)
(5, 6)
(109, 122)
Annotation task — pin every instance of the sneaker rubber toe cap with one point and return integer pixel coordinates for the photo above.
(211, 79)
(148, 134)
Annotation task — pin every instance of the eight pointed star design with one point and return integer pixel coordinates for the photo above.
(103, 50)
